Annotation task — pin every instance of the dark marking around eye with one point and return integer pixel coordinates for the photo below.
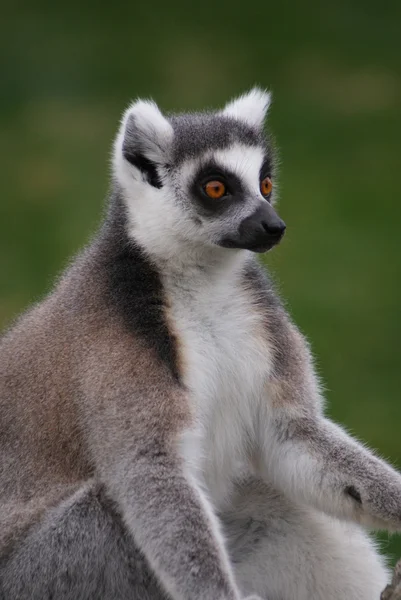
(209, 206)
(266, 169)
(351, 491)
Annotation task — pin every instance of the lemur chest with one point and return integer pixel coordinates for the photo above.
(226, 363)
(225, 355)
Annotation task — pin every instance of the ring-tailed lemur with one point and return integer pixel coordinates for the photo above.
(161, 425)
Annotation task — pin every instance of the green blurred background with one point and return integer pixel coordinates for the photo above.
(68, 71)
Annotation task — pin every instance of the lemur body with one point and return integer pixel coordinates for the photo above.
(161, 425)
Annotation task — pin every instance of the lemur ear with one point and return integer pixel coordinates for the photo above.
(144, 140)
(250, 108)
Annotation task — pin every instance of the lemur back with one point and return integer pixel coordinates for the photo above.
(162, 431)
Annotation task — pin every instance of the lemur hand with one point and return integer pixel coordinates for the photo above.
(393, 591)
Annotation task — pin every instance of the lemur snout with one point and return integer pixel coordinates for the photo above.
(259, 232)
(275, 230)
(262, 230)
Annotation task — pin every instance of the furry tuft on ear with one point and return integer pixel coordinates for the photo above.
(144, 140)
(250, 107)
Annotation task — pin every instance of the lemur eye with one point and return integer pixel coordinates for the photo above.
(266, 187)
(215, 189)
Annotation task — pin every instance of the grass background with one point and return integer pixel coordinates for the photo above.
(68, 71)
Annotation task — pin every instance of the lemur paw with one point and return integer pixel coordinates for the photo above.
(377, 498)
(393, 591)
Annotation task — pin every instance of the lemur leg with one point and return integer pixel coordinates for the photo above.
(80, 550)
(315, 462)
(283, 551)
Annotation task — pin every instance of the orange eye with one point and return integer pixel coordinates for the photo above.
(266, 187)
(215, 189)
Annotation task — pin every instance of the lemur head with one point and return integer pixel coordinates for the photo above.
(202, 179)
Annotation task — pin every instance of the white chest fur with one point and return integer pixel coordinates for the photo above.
(226, 364)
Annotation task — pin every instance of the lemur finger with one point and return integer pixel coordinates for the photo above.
(379, 494)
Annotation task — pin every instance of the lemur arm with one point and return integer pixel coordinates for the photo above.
(314, 460)
(393, 591)
(134, 435)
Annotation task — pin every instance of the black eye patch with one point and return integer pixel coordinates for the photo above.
(213, 172)
(266, 170)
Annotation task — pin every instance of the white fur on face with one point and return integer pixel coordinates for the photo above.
(152, 212)
(161, 220)
(165, 221)
(245, 162)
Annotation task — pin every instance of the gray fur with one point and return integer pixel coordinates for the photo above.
(80, 550)
(74, 407)
(197, 133)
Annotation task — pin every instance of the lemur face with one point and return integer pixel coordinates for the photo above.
(205, 179)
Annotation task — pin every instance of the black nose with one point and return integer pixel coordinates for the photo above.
(262, 230)
(274, 229)
(259, 232)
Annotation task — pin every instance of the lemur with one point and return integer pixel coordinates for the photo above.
(162, 432)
